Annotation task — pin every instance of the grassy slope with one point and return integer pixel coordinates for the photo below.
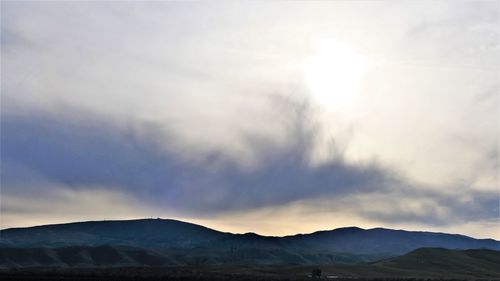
(426, 263)
(421, 263)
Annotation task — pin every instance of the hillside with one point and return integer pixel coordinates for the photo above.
(116, 256)
(428, 263)
(381, 240)
(180, 243)
(78, 256)
(441, 261)
(142, 232)
(118, 263)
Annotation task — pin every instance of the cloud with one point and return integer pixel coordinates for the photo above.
(169, 104)
(87, 151)
(58, 204)
(368, 211)
(47, 153)
(432, 208)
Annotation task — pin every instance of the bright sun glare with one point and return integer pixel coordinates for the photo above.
(334, 74)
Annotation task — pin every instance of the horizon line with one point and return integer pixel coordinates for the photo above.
(242, 233)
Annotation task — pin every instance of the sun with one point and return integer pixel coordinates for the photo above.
(334, 74)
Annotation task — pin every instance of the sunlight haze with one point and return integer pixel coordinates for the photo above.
(271, 117)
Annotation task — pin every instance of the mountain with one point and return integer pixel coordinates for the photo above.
(181, 243)
(380, 240)
(144, 232)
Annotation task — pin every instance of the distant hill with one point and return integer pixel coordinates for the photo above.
(181, 243)
(381, 240)
(143, 232)
(439, 262)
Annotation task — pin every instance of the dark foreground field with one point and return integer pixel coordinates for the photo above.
(242, 273)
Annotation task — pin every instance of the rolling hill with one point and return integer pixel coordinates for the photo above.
(426, 263)
(439, 261)
(78, 256)
(117, 263)
(381, 240)
(143, 232)
(148, 242)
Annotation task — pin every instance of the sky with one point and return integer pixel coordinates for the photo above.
(270, 117)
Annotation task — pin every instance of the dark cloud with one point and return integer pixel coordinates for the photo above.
(81, 150)
(87, 151)
(84, 152)
(468, 205)
(455, 205)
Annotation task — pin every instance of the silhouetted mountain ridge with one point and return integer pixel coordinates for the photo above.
(186, 243)
(144, 232)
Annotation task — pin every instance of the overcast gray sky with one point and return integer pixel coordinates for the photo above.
(273, 117)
